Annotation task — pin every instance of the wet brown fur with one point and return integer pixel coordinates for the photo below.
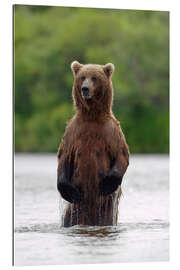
(95, 141)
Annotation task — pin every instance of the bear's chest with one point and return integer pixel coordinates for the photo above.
(92, 149)
(91, 139)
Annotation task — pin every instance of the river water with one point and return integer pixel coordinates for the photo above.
(142, 234)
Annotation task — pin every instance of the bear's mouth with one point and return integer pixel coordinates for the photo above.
(85, 95)
(85, 92)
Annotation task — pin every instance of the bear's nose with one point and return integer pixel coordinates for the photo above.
(85, 91)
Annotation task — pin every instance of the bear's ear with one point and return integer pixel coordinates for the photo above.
(75, 66)
(108, 69)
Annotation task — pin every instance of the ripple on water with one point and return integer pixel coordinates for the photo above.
(91, 230)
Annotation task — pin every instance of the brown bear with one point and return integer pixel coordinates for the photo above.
(93, 155)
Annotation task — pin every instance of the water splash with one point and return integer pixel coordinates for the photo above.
(77, 214)
(71, 214)
(100, 209)
(115, 206)
(106, 209)
(62, 211)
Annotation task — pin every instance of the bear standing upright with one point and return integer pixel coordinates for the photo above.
(93, 155)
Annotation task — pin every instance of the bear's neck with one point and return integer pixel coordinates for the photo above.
(93, 115)
(94, 109)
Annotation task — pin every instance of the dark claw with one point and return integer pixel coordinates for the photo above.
(110, 183)
(70, 192)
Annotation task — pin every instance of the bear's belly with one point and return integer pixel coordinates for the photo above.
(90, 165)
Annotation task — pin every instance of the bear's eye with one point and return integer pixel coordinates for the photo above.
(94, 79)
(83, 78)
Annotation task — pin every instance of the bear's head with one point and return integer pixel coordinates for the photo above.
(92, 89)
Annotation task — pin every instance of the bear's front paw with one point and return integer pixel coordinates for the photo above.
(110, 183)
(70, 192)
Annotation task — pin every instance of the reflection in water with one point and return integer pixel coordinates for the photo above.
(141, 234)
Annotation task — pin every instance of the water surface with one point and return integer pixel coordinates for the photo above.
(142, 233)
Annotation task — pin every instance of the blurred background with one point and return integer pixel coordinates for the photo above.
(48, 39)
